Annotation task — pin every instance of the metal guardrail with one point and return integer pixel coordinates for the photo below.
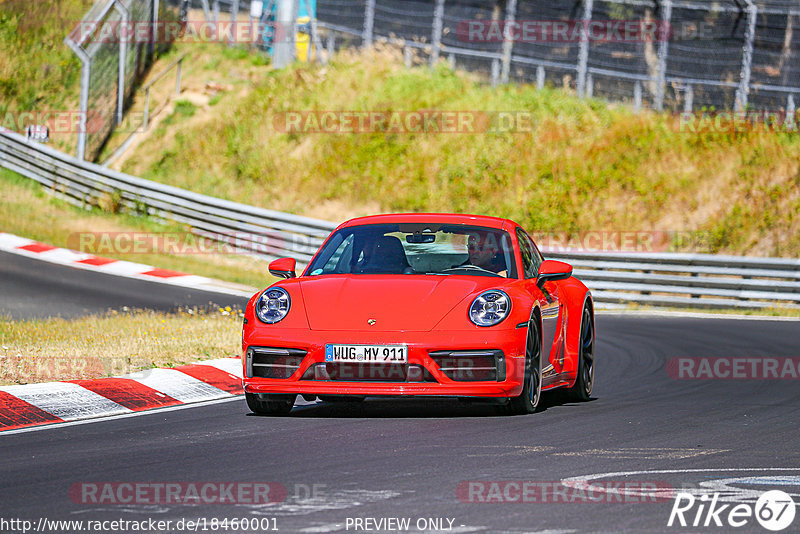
(247, 229)
(657, 279)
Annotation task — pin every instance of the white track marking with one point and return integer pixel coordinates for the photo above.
(70, 258)
(690, 315)
(177, 385)
(645, 453)
(154, 411)
(65, 400)
(62, 255)
(11, 242)
(333, 500)
(585, 482)
(229, 365)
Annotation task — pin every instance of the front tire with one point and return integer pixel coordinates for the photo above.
(273, 405)
(528, 401)
(581, 391)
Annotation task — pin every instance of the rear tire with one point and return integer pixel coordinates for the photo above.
(581, 391)
(528, 401)
(275, 405)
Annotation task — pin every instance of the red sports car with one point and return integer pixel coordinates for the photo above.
(420, 305)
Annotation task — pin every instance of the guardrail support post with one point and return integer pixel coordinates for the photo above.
(540, 77)
(583, 51)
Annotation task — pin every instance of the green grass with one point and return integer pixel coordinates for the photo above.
(38, 72)
(27, 210)
(585, 165)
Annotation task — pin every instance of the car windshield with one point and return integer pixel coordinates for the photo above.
(419, 248)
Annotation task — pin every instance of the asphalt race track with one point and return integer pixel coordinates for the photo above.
(412, 459)
(31, 288)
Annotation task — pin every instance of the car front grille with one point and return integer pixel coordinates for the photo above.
(471, 365)
(273, 362)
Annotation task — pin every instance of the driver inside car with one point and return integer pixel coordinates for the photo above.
(484, 252)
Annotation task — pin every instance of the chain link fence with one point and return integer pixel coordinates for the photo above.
(680, 55)
(111, 64)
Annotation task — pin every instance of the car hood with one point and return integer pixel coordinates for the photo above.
(393, 302)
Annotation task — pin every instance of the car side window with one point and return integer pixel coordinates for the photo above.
(529, 267)
(537, 256)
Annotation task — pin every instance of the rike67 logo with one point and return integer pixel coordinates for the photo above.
(774, 510)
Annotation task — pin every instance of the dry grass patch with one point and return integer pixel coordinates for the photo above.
(108, 345)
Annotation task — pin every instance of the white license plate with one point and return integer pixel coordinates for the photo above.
(366, 353)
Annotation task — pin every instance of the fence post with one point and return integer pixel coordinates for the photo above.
(583, 51)
(436, 37)
(495, 72)
(206, 10)
(86, 67)
(369, 21)
(234, 22)
(123, 53)
(151, 46)
(747, 57)
(688, 101)
(283, 48)
(178, 77)
(508, 41)
(663, 33)
(330, 45)
(790, 112)
(637, 96)
(540, 77)
(314, 39)
(146, 118)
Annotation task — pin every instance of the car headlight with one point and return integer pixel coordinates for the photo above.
(273, 305)
(489, 308)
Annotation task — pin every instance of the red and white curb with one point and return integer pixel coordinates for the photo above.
(81, 260)
(59, 402)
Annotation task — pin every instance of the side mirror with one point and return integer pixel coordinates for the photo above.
(551, 270)
(283, 268)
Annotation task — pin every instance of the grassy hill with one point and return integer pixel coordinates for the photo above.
(584, 165)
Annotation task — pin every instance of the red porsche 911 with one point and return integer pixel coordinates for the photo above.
(420, 305)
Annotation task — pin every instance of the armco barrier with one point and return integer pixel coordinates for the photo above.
(657, 279)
